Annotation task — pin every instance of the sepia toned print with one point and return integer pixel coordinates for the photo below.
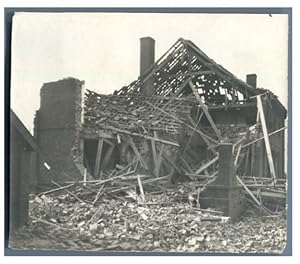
(186, 157)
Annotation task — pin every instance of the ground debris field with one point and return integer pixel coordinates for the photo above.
(164, 222)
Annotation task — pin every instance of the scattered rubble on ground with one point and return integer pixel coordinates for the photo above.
(164, 222)
(134, 146)
(128, 211)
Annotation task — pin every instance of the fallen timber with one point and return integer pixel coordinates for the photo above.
(159, 130)
(256, 188)
(151, 154)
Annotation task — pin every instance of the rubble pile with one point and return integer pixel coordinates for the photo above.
(163, 223)
(146, 156)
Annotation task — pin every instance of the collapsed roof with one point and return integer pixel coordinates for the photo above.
(168, 82)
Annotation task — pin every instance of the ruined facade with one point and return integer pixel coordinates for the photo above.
(168, 123)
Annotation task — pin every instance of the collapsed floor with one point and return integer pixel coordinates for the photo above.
(164, 222)
(119, 136)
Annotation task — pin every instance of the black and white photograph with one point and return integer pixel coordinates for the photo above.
(155, 132)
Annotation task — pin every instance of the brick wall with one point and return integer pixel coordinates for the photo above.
(224, 193)
(57, 129)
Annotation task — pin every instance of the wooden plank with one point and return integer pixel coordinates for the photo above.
(107, 156)
(182, 122)
(210, 146)
(98, 194)
(192, 121)
(87, 165)
(190, 170)
(98, 158)
(237, 155)
(189, 58)
(237, 143)
(144, 182)
(205, 166)
(262, 178)
(270, 194)
(226, 99)
(137, 153)
(84, 176)
(105, 134)
(199, 176)
(99, 182)
(246, 162)
(108, 142)
(196, 73)
(118, 139)
(154, 156)
(72, 194)
(270, 134)
(206, 173)
(182, 86)
(266, 137)
(252, 160)
(141, 188)
(56, 189)
(143, 136)
(192, 134)
(220, 71)
(92, 135)
(253, 184)
(249, 192)
(159, 160)
(204, 108)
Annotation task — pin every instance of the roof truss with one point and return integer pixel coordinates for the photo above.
(185, 62)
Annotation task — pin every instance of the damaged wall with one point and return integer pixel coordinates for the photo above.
(57, 129)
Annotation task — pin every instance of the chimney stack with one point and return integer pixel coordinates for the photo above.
(147, 55)
(251, 79)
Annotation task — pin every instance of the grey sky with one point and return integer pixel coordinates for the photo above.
(103, 49)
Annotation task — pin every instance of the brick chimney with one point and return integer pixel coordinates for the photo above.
(147, 56)
(251, 79)
(147, 53)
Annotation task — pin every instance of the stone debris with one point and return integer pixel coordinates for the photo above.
(164, 223)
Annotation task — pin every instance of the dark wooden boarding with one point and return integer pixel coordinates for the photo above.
(23, 149)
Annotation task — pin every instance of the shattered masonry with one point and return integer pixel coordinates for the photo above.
(185, 118)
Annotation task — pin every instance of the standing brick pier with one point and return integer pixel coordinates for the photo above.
(224, 193)
(57, 130)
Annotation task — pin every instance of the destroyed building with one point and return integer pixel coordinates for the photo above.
(186, 118)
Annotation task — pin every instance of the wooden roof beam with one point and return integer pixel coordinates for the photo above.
(220, 71)
(190, 74)
(204, 108)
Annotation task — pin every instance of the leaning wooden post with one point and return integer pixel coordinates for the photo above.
(84, 177)
(98, 158)
(154, 156)
(204, 108)
(267, 141)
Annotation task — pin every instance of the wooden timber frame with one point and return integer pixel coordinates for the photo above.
(192, 109)
(178, 127)
(149, 153)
